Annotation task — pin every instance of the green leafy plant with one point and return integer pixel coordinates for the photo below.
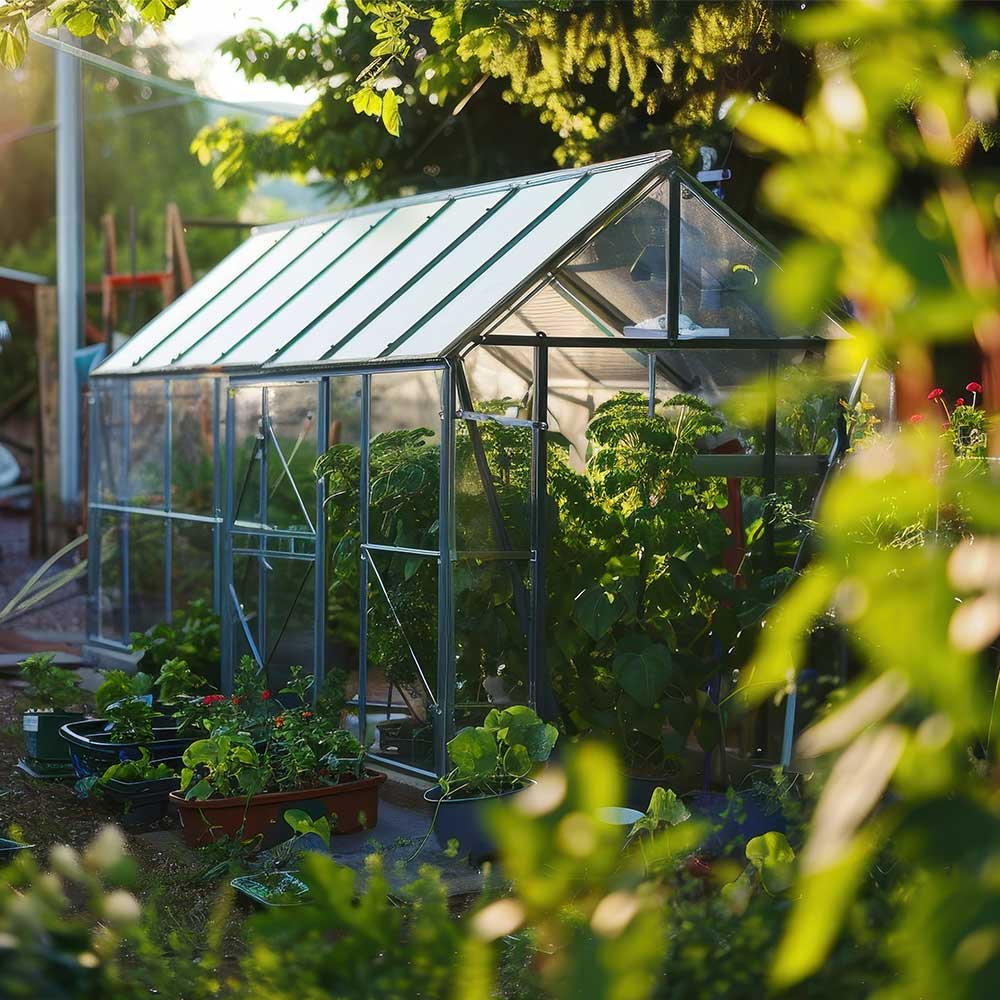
(177, 682)
(192, 636)
(143, 769)
(49, 686)
(222, 766)
(303, 824)
(498, 755)
(131, 721)
(118, 685)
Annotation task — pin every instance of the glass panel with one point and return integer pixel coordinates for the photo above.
(198, 342)
(192, 562)
(199, 295)
(499, 372)
(192, 439)
(550, 227)
(343, 530)
(491, 644)
(506, 452)
(512, 219)
(386, 279)
(290, 616)
(557, 312)
(147, 538)
(109, 446)
(405, 467)
(147, 443)
(723, 277)
(291, 455)
(247, 445)
(402, 656)
(622, 272)
(110, 599)
(310, 288)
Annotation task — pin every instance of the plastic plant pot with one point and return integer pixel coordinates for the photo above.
(350, 806)
(143, 802)
(461, 819)
(42, 740)
(93, 752)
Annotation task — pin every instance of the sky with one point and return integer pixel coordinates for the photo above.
(197, 29)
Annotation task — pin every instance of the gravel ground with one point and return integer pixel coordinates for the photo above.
(62, 614)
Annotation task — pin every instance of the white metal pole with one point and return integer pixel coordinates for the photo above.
(69, 250)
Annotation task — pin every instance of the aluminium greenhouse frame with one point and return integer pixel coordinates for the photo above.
(456, 406)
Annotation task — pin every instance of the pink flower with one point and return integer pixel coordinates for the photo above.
(973, 387)
(916, 418)
(265, 695)
(959, 402)
(213, 699)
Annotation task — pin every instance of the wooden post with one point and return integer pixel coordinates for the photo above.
(54, 532)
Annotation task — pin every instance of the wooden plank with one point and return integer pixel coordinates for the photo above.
(47, 333)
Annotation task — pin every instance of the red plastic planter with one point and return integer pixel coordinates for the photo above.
(350, 806)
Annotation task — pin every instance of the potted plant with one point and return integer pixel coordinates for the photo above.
(142, 787)
(491, 761)
(131, 726)
(118, 685)
(52, 691)
(234, 785)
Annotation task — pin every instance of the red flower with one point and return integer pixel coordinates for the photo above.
(973, 387)
(213, 699)
(935, 394)
(265, 695)
(916, 418)
(959, 402)
(307, 715)
(236, 699)
(279, 721)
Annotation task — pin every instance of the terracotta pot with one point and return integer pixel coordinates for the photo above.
(350, 806)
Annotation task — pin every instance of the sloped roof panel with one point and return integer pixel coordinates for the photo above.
(405, 279)
(129, 356)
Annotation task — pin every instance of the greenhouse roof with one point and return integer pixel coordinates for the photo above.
(414, 278)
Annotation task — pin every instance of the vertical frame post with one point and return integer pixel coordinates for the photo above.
(651, 376)
(770, 449)
(365, 482)
(538, 686)
(673, 256)
(446, 564)
(319, 573)
(168, 537)
(226, 530)
(94, 553)
(262, 539)
(124, 500)
(217, 499)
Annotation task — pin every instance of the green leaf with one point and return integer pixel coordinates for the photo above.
(774, 859)
(13, 41)
(595, 611)
(302, 823)
(666, 807)
(474, 752)
(517, 762)
(82, 23)
(644, 674)
(390, 112)
(202, 790)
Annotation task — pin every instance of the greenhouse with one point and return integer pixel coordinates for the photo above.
(476, 448)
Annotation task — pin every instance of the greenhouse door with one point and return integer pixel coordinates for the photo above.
(273, 583)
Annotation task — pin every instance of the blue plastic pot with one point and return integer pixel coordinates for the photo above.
(461, 819)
